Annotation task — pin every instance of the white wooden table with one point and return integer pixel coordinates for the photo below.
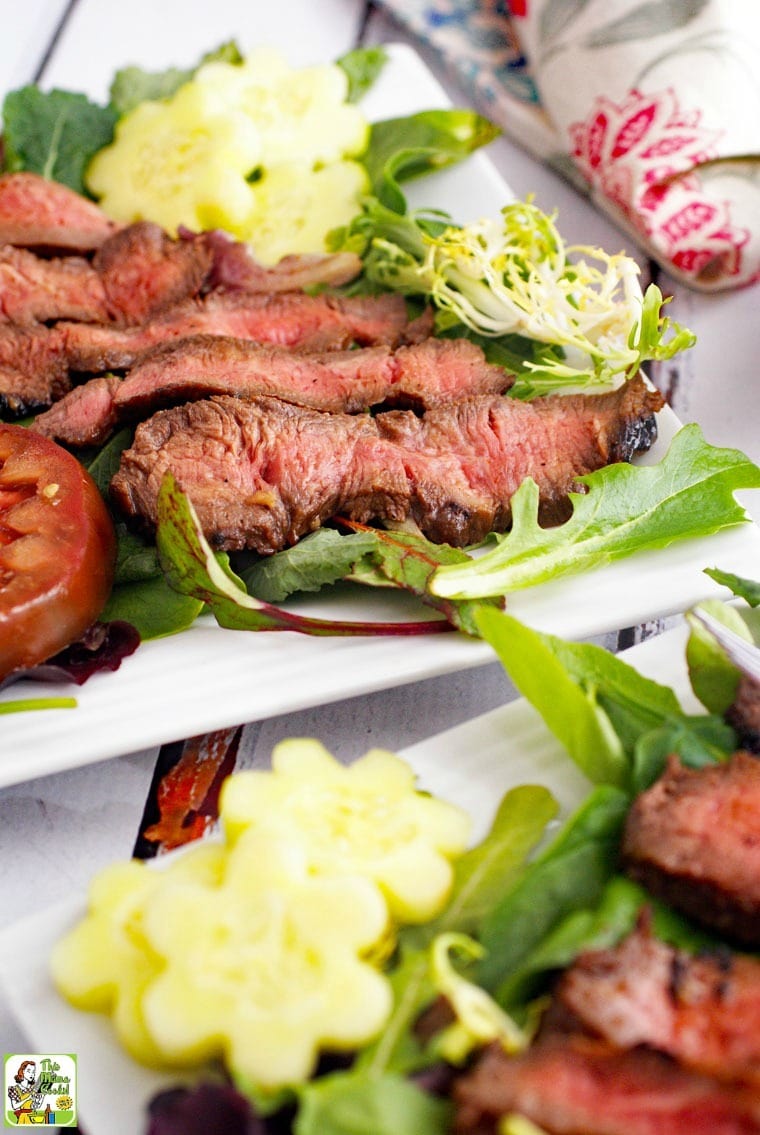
(62, 828)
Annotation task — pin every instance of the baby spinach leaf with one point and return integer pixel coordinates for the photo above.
(626, 509)
(698, 741)
(319, 559)
(400, 149)
(568, 876)
(561, 682)
(153, 607)
(482, 874)
(54, 133)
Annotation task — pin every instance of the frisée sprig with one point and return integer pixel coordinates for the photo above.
(517, 276)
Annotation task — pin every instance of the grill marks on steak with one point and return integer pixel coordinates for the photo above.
(577, 1085)
(337, 381)
(704, 1010)
(44, 215)
(693, 839)
(263, 473)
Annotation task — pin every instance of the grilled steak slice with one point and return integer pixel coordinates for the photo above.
(262, 473)
(348, 381)
(86, 415)
(294, 319)
(744, 713)
(693, 839)
(144, 271)
(34, 370)
(466, 464)
(22, 394)
(41, 214)
(576, 1085)
(235, 268)
(703, 1011)
(34, 290)
(138, 272)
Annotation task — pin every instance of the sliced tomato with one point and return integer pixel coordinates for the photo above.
(57, 549)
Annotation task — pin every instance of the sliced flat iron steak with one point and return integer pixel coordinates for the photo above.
(263, 473)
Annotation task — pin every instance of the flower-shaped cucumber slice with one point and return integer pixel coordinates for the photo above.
(104, 963)
(302, 114)
(183, 161)
(267, 969)
(296, 207)
(365, 818)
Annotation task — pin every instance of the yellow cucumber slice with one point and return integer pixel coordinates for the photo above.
(272, 971)
(297, 207)
(181, 162)
(301, 114)
(365, 818)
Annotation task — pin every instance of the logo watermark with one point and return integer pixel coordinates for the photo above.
(40, 1089)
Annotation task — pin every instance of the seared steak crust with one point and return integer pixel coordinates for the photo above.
(578, 1085)
(693, 839)
(262, 473)
(33, 367)
(704, 1010)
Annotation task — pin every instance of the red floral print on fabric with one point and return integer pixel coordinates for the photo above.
(643, 155)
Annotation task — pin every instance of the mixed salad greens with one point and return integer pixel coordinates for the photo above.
(484, 928)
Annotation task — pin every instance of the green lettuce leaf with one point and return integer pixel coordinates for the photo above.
(132, 85)
(192, 569)
(569, 875)
(626, 509)
(617, 725)
(319, 559)
(714, 677)
(370, 556)
(356, 1103)
(746, 589)
(481, 878)
(363, 67)
(54, 133)
(400, 149)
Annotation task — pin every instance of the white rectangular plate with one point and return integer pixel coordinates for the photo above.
(473, 764)
(208, 678)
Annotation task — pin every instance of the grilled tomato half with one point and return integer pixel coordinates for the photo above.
(57, 549)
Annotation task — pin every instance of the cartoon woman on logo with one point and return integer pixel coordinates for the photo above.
(25, 1099)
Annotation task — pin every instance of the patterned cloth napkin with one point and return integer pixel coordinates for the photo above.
(652, 107)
